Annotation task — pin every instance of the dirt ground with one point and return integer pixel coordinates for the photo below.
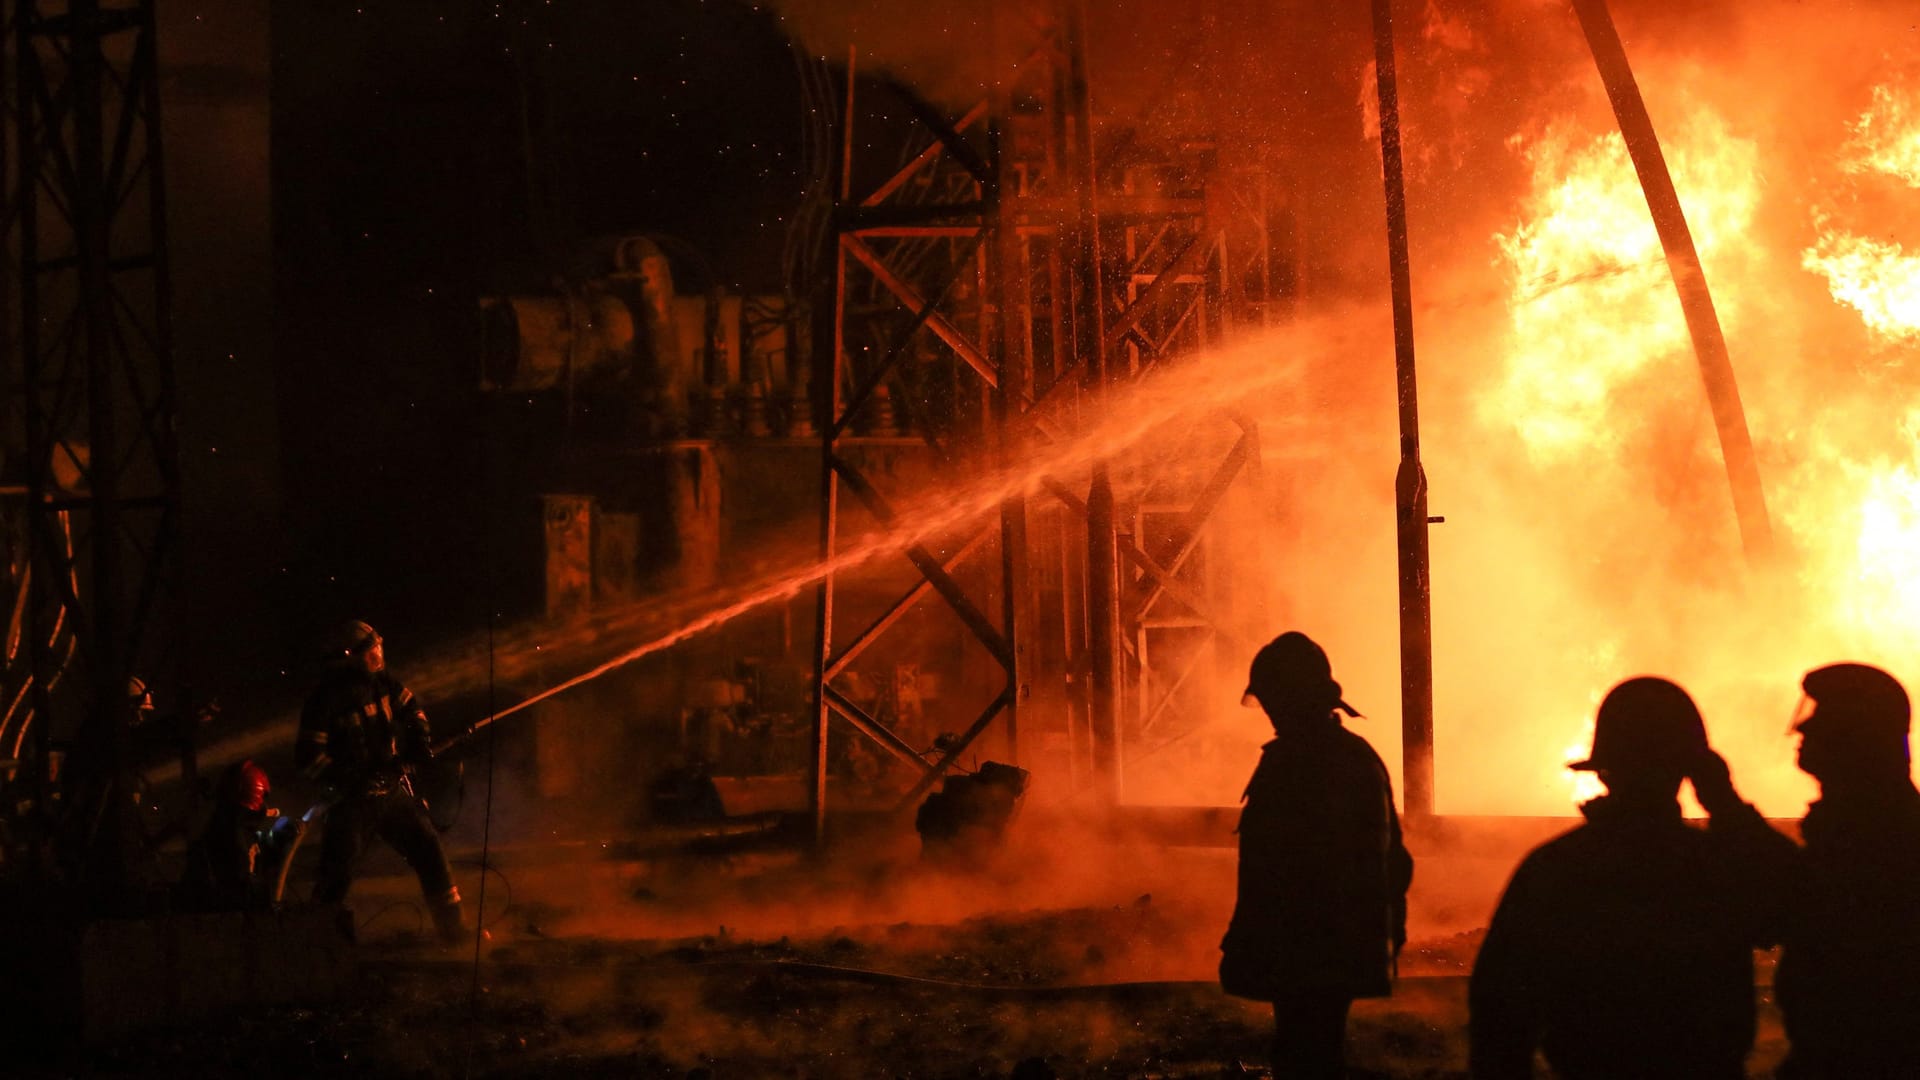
(773, 966)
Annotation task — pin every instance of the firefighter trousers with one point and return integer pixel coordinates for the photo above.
(397, 818)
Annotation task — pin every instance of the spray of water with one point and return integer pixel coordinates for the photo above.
(1130, 416)
(1258, 371)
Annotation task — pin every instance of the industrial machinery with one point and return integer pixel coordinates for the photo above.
(688, 459)
(973, 288)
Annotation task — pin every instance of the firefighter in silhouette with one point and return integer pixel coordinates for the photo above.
(1849, 977)
(1320, 913)
(1625, 946)
(362, 734)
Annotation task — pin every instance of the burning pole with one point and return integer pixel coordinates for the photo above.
(1410, 482)
(1683, 262)
(1103, 553)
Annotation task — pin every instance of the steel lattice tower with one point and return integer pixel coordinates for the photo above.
(1039, 278)
(90, 383)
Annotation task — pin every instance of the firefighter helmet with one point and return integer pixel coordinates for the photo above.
(350, 639)
(1646, 724)
(247, 786)
(1294, 666)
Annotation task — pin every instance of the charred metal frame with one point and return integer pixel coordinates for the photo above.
(971, 226)
(89, 380)
(1060, 321)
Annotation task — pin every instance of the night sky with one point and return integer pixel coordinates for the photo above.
(341, 461)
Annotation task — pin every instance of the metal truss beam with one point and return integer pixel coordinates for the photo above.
(1023, 226)
(91, 368)
(974, 226)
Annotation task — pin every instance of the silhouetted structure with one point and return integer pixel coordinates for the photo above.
(1625, 947)
(361, 732)
(1849, 976)
(1321, 910)
(685, 794)
(970, 812)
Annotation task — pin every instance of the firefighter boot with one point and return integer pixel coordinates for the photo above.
(449, 922)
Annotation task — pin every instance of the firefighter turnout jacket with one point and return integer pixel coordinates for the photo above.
(359, 731)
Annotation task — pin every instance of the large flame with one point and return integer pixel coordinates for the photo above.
(1886, 138)
(1594, 315)
(1571, 447)
(1876, 278)
(1873, 275)
(1596, 338)
(1593, 305)
(1856, 509)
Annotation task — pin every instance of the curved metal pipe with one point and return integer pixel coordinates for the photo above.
(1683, 262)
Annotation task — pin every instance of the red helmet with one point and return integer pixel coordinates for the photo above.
(248, 786)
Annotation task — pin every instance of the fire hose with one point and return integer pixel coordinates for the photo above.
(869, 976)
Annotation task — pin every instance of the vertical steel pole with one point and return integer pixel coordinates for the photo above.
(175, 608)
(43, 596)
(1410, 482)
(1103, 553)
(104, 731)
(1009, 338)
(827, 397)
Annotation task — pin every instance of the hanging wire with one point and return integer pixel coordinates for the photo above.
(419, 917)
(493, 733)
(506, 886)
(490, 595)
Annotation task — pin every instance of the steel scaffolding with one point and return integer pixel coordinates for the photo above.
(90, 402)
(1032, 275)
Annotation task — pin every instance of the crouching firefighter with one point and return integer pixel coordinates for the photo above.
(362, 734)
(239, 861)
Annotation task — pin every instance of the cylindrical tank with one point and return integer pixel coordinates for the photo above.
(538, 342)
(618, 324)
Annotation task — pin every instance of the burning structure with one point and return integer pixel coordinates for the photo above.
(967, 326)
(1567, 363)
(1071, 385)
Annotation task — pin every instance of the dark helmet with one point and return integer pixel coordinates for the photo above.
(1860, 705)
(1294, 667)
(1646, 724)
(350, 639)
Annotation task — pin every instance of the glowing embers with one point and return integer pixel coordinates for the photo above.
(1593, 305)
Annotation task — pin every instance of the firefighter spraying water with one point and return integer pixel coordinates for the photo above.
(363, 735)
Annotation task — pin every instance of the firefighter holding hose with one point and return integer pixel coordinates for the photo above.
(363, 734)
